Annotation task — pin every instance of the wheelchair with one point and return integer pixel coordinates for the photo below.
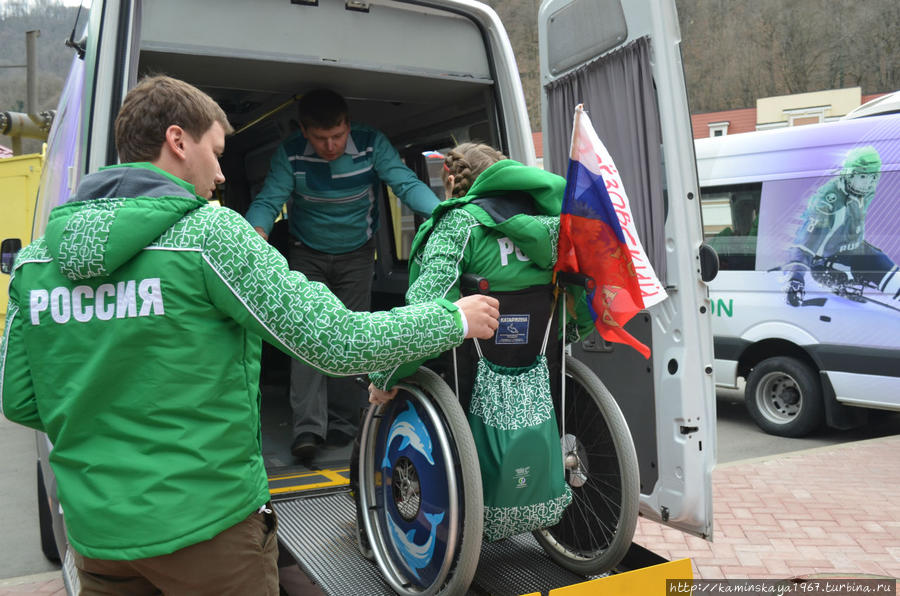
(418, 486)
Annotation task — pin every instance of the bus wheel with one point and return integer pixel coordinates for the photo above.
(784, 397)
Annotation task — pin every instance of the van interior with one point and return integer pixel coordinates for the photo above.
(429, 91)
(412, 97)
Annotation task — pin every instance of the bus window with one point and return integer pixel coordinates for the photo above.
(403, 226)
(730, 220)
(403, 220)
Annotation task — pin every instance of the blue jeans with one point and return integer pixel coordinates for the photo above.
(321, 403)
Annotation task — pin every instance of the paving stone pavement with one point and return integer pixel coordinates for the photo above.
(830, 511)
(46, 584)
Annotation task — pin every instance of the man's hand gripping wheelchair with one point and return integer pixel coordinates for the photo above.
(418, 487)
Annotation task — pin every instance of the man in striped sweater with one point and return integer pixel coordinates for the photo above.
(332, 169)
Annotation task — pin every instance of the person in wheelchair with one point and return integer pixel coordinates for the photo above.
(430, 481)
(500, 220)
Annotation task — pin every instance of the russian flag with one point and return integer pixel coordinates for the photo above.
(597, 237)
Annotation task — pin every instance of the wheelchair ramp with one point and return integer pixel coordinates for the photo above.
(319, 531)
(320, 534)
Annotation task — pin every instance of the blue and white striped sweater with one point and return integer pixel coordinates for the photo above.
(335, 208)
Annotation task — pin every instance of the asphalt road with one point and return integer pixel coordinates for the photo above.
(739, 437)
(20, 543)
(20, 551)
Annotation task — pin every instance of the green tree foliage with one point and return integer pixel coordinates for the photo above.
(519, 17)
(734, 51)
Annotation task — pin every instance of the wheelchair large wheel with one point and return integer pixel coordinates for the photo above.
(601, 467)
(419, 490)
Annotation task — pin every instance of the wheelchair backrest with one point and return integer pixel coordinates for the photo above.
(524, 316)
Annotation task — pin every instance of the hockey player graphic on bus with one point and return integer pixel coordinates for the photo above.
(830, 243)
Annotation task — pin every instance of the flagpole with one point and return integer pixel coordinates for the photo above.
(579, 110)
(562, 394)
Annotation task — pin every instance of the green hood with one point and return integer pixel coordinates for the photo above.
(542, 190)
(546, 189)
(116, 213)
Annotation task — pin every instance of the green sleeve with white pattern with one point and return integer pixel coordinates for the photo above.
(17, 397)
(442, 257)
(438, 278)
(250, 280)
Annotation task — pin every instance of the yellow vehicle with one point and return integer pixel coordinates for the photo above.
(19, 178)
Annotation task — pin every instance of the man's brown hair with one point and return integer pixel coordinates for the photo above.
(322, 108)
(155, 104)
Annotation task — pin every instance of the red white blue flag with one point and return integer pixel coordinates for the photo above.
(597, 237)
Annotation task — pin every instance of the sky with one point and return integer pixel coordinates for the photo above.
(87, 3)
(4, 3)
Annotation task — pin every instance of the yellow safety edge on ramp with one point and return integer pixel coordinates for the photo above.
(649, 581)
(318, 479)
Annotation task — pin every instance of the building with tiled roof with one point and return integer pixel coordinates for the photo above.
(724, 122)
(770, 112)
(781, 111)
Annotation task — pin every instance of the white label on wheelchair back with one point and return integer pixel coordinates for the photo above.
(513, 329)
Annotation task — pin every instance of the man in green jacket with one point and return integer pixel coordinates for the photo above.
(133, 340)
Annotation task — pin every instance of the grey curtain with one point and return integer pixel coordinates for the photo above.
(618, 94)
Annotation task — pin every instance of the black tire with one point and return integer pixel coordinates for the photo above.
(45, 520)
(784, 397)
(597, 528)
(379, 504)
(362, 540)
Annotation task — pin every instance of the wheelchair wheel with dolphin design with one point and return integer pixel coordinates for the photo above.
(601, 468)
(420, 494)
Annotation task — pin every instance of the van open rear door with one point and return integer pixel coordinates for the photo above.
(622, 61)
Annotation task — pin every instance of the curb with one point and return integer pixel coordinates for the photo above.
(31, 579)
(789, 454)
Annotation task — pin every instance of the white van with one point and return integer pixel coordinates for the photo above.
(806, 305)
(430, 74)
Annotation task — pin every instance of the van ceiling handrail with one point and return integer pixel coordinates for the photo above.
(271, 112)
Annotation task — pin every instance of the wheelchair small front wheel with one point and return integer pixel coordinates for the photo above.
(601, 468)
(419, 491)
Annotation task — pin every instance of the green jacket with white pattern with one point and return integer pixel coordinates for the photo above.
(512, 243)
(133, 340)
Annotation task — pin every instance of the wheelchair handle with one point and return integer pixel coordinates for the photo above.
(568, 278)
(472, 283)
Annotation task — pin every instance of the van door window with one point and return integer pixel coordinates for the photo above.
(403, 226)
(59, 176)
(730, 222)
(403, 222)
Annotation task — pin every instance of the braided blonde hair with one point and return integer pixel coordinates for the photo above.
(465, 162)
